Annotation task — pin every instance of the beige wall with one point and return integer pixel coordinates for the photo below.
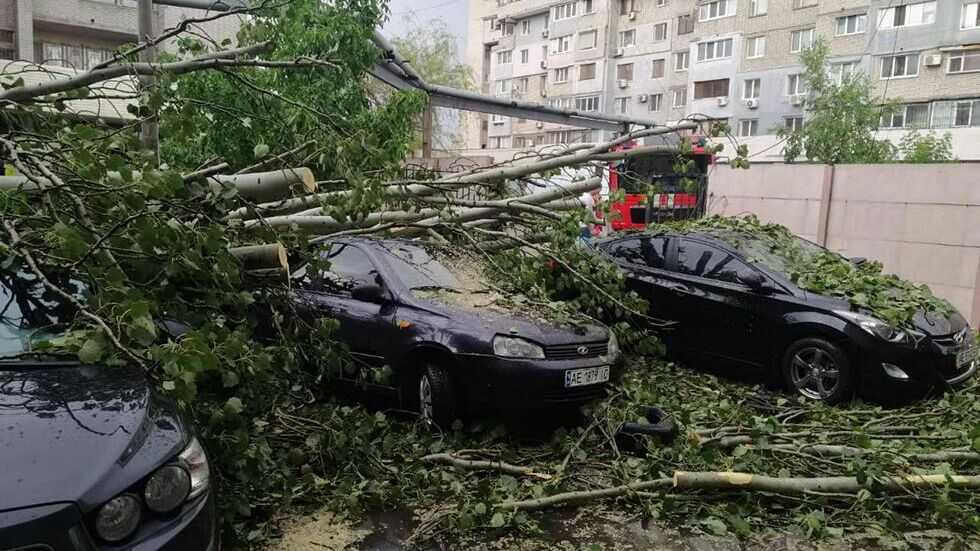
(921, 221)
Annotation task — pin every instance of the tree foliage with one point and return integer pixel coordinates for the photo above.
(916, 147)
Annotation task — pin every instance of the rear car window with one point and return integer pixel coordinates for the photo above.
(648, 251)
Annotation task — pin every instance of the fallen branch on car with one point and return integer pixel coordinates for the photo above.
(483, 465)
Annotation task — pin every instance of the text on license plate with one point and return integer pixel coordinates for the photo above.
(963, 358)
(587, 376)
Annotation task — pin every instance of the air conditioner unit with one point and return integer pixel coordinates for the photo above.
(539, 124)
(798, 100)
(752, 103)
(934, 60)
(642, 98)
(544, 33)
(544, 63)
(618, 52)
(622, 83)
(544, 93)
(722, 101)
(631, 15)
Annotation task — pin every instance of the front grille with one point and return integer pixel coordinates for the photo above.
(575, 395)
(954, 340)
(571, 351)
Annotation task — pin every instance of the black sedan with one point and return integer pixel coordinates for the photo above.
(749, 314)
(90, 457)
(453, 344)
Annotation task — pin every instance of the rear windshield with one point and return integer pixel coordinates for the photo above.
(30, 313)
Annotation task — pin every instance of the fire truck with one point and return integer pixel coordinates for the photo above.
(634, 175)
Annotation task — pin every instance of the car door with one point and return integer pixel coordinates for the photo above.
(643, 259)
(365, 327)
(717, 314)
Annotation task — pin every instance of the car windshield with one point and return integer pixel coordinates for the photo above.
(432, 268)
(762, 249)
(30, 313)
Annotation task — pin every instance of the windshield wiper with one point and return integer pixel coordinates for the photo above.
(435, 288)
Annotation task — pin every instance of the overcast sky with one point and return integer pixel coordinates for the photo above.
(453, 12)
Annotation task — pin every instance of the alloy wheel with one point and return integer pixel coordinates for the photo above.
(425, 398)
(814, 373)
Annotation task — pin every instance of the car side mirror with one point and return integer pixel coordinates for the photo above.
(757, 282)
(368, 292)
(859, 261)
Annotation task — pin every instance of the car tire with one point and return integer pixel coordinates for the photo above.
(431, 395)
(818, 370)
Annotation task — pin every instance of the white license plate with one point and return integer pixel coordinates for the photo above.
(963, 358)
(587, 376)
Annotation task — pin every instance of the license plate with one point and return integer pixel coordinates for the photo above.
(587, 376)
(963, 358)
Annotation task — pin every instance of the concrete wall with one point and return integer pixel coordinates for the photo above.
(921, 221)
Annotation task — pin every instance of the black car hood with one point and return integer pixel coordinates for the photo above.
(71, 433)
(936, 325)
(510, 321)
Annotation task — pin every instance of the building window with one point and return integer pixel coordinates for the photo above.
(657, 68)
(852, 24)
(717, 49)
(561, 75)
(751, 88)
(678, 97)
(685, 24)
(518, 142)
(971, 16)
(900, 66)
(711, 88)
(682, 60)
(505, 57)
(587, 103)
(525, 57)
(497, 120)
(716, 10)
(922, 13)
(800, 40)
(793, 124)
(586, 71)
(661, 3)
(795, 85)
(561, 44)
(502, 86)
(755, 47)
(520, 85)
(525, 27)
(624, 71)
(627, 6)
(965, 61)
(588, 6)
(656, 102)
(75, 56)
(798, 4)
(623, 105)
(914, 115)
(660, 32)
(561, 103)
(947, 114)
(627, 38)
(507, 29)
(748, 127)
(563, 11)
(587, 40)
(758, 7)
(839, 72)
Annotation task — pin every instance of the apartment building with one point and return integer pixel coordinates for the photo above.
(733, 60)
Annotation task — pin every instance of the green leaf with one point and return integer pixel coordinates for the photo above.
(168, 385)
(260, 150)
(498, 520)
(234, 405)
(92, 350)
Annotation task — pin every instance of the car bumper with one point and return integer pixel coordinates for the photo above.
(929, 368)
(60, 527)
(502, 384)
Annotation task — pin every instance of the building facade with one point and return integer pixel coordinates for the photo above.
(735, 60)
(78, 34)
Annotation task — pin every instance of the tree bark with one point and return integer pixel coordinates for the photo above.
(263, 186)
(256, 257)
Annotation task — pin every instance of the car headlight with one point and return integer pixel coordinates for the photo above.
(195, 461)
(515, 347)
(875, 326)
(613, 348)
(118, 518)
(167, 488)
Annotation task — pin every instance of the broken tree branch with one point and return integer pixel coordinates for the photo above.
(483, 465)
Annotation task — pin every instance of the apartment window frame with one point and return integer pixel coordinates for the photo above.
(588, 7)
(753, 49)
(719, 49)
(796, 39)
(714, 88)
(678, 93)
(505, 57)
(860, 24)
(502, 86)
(685, 24)
(507, 29)
(497, 119)
(898, 16)
(686, 57)
(965, 16)
(658, 68)
(581, 73)
(631, 33)
(758, 8)
(595, 39)
(520, 84)
(661, 31)
(890, 61)
(564, 11)
(621, 105)
(562, 74)
(587, 103)
(625, 71)
(796, 85)
(793, 123)
(962, 57)
(752, 126)
(655, 103)
(721, 9)
(751, 88)
(838, 73)
(525, 27)
(803, 4)
(561, 44)
(525, 56)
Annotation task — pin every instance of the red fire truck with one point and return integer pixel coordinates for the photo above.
(634, 175)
